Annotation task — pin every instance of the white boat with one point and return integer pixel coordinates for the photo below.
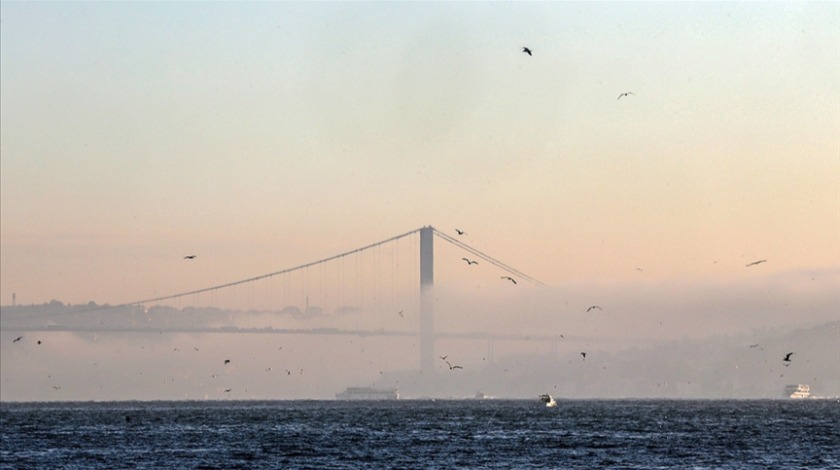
(798, 391)
(368, 393)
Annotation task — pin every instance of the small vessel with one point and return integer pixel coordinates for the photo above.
(798, 391)
(548, 400)
(368, 393)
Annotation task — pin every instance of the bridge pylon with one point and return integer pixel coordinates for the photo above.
(427, 279)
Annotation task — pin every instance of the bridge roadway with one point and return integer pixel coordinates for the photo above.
(330, 332)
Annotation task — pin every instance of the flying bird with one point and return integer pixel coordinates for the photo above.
(509, 279)
(460, 232)
(190, 257)
(17, 339)
(227, 390)
(451, 367)
(526, 50)
(787, 357)
(443, 358)
(626, 93)
(584, 355)
(469, 261)
(756, 262)
(594, 307)
(227, 361)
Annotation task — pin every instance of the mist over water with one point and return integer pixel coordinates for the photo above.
(673, 340)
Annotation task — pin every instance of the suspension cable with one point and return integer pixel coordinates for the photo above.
(488, 258)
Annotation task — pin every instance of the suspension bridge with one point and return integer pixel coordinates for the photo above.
(381, 289)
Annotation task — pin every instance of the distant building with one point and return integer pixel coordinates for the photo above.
(368, 393)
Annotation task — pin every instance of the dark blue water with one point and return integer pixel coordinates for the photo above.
(422, 434)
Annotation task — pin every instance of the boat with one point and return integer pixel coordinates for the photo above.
(368, 393)
(798, 391)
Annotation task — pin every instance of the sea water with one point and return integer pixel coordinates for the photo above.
(422, 434)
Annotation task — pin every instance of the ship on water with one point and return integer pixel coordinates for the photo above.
(797, 391)
(368, 393)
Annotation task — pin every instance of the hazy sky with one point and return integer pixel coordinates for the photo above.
(264, 135)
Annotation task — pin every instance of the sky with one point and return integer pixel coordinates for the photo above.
(261, 136)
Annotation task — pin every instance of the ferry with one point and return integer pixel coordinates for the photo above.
(797, 391)
(368, 393)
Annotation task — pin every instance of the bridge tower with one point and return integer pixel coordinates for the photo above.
(427, 278)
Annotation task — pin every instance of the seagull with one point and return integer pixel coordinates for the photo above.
(626, 93)
(460, 232)
(451, 367)
(787, 357)
(227, 390)
(400, 313)
(756, 262)
(443, 358)
(509, 279)
(227, 361)
(584, 355)
(594, 307)
(469, 261)
(189, 257)
(526, 50)
(17, 339)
